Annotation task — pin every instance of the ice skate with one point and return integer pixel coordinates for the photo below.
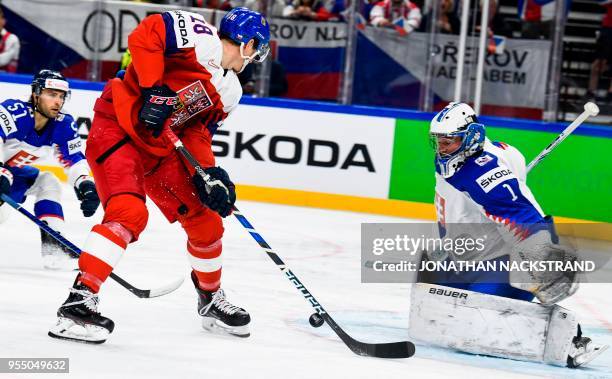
(219, 315)
(55, 256)
(79, 319)
(584, 351)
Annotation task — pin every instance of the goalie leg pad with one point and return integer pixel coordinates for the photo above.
(491, 325)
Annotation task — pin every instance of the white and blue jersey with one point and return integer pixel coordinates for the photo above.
(21, 146)
(490, 193)
(489, 187)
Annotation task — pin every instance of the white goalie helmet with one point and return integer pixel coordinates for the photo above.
(453, 118)
(456, 120)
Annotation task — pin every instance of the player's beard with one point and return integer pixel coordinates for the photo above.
(47, 111)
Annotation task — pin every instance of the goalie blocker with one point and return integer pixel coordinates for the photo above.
(492, 325)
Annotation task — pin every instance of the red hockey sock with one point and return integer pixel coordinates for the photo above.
(206, 264)
(101, 252)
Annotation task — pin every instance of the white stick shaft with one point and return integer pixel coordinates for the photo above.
(482, 51)
(576, 123)
(465, 10)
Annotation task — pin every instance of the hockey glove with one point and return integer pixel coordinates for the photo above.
(86, 193)
(158, 104)
(6, 180)
(219, 193)
(549, 286)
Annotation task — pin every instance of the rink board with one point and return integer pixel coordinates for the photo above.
(371, 159)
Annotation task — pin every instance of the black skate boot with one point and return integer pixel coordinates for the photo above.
(220, 316)
(583, 350)
(78, 318)
(55, 256)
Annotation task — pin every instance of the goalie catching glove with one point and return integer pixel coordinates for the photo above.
(218, 192)
(550, 287)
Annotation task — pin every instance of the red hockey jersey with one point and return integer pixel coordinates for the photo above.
(181, 50)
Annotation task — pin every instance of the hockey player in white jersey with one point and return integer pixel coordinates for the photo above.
(35, 129)
(483, 183)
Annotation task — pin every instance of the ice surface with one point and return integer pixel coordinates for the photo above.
(162, 338)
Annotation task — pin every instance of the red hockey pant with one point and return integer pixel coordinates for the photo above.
(122, 180)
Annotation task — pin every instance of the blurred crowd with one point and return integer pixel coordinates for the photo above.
(9, 47)
(405, 16)
(535, 19)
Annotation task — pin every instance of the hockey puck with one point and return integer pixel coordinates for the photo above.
(316, 320)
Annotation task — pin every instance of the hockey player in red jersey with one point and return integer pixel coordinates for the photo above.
(183, 76)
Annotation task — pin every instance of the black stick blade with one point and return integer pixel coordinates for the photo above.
(403, 349)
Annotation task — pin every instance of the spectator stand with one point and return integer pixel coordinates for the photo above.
(579, 43)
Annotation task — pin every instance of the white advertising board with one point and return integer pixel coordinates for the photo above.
(308, 150)
(283, 148)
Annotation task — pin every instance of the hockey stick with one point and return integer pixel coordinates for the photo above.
(402, 349)
(590, 109)
(59, 238)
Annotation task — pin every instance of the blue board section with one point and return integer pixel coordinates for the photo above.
(509, 123)
(300, 60)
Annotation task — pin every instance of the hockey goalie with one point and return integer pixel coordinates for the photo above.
(481, 184)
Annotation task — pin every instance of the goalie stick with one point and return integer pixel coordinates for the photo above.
(590, 109)
(142, 293)
(402, 349)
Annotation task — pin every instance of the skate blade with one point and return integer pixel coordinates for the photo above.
(68, 329)
(588, 357)
(215, 326)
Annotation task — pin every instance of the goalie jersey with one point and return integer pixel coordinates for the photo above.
(489, 192)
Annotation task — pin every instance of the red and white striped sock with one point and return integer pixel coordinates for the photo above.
(101, 253)
(206, 264)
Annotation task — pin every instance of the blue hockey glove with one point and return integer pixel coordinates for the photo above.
(86, 193)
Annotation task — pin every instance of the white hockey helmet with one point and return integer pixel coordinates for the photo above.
(456, 120)
(452, 119)
(49, 79)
